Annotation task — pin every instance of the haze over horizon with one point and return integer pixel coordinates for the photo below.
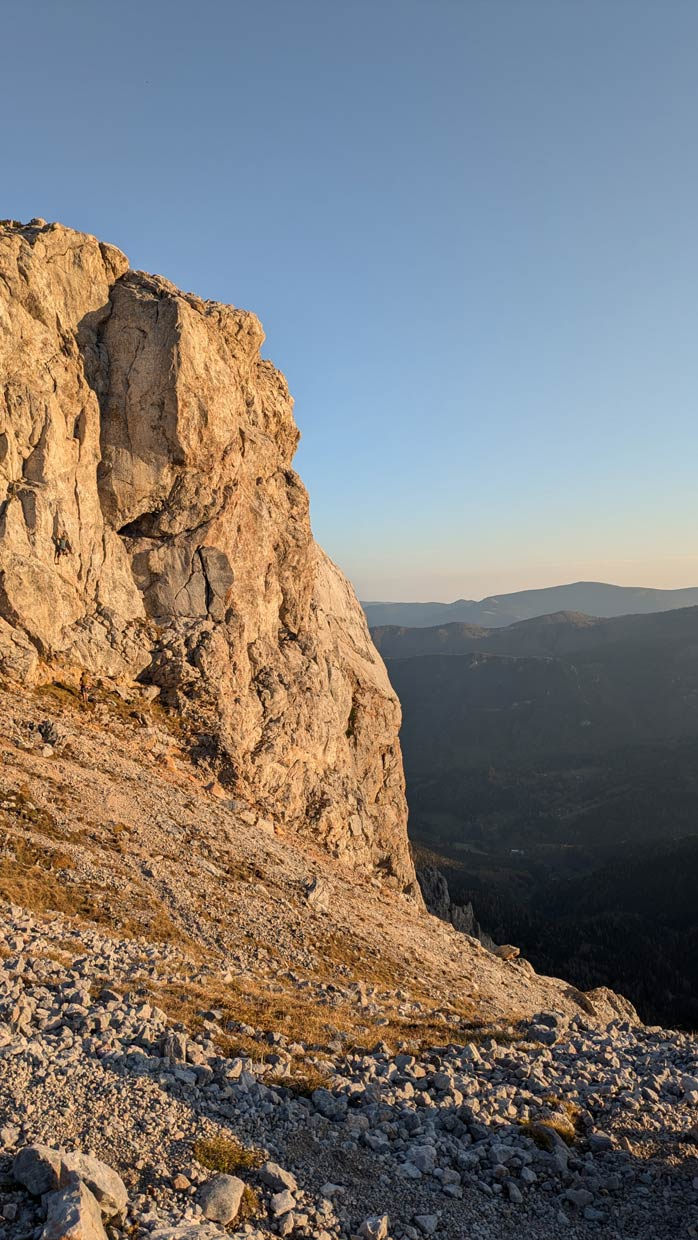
(469, 232)
(535, 585)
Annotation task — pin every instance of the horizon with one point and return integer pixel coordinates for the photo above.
(477, 271)
(587, 581)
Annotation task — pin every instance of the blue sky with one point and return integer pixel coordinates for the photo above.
(469, 229)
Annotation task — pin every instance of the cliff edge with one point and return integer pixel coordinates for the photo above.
(152, 529)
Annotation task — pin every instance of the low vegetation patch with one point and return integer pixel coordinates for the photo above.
(158, 927)
(250, 1206)
(226, 1155)
(542, 1132)
(302, 1081)
(34, 877)
(248, 1001)
(17, 808)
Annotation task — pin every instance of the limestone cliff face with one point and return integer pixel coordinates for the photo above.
(152, 527)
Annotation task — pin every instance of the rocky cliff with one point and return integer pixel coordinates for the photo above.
(437, 898)
(152, 530)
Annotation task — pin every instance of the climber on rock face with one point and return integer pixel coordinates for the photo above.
(62, 545)
(85, 686)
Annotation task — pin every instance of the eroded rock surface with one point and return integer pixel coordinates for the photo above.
(437, 897)
(152, 528)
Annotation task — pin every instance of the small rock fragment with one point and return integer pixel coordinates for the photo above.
(375, 1227)
(277, 1177)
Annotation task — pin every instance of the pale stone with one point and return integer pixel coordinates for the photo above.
(277, 1177)
(38, 1168)
(375, 1228)
(19, 659)
(104, 1183)
(73, 1214)
(221, 1197)
(507, 952)
(282, 1202)
(151, 527)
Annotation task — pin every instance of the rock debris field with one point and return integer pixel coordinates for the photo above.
(554, 1129)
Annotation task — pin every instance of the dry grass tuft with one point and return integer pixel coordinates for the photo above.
(236, 1045)
(31, 877)
(250, 1206)
(248, 1000)
(303, 1080)
(226, 1155)
(20, 810)
(37, 876)
(158, 927)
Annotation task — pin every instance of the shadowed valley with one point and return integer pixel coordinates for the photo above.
(552, 765)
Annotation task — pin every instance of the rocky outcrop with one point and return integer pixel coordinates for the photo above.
(152, 529)
(437, 898)
(78, 1190)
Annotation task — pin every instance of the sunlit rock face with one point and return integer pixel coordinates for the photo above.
(152, 527)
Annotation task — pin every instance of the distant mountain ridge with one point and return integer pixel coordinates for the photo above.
(560, 634)
(593, 598)
(560, 684)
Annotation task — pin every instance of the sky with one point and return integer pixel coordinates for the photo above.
(468, 227)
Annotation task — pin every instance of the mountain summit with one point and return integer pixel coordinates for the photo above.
(152, 529)
(593, 598)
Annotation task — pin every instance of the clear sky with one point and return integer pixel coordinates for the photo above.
(468, 226)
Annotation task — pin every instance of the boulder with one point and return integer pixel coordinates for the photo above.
(106, 1186)
(221, 1197)
(38, 1168)
(317, 893)
(73, 1214)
